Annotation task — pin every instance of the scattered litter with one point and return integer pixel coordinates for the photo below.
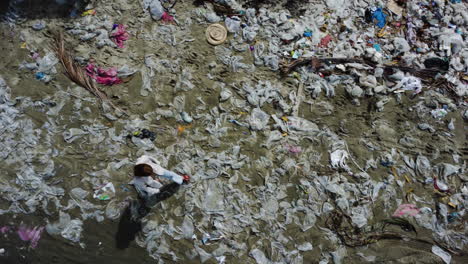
(33, 235)
(155, 8)
(186, 117)
(380, 17)
(120, 35)
(90, 12)
(40, 25)
(325, 41)
(440, 186)
(143, 134)
(439, 113)
(446, 257)
(166, 18)
(105, 192)
(66, 227)
(103, 76)
(300, 120)
(405, 210)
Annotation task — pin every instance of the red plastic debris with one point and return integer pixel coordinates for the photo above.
(166, 18)
(120, 36)
(102, 76)
(325, 41)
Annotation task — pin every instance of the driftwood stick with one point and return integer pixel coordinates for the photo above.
(75, 73)
(299, 98)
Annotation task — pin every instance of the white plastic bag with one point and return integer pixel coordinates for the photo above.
(232, 24)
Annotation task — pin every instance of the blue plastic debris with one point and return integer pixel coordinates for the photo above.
(377, 47)
(40, 75)
(455, 1)
(452, 217)
(307, 34)
(386, 163)
(380, 16)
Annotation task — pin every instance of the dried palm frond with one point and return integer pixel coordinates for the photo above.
(75, 72)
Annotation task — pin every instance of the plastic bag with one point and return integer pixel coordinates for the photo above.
(187, 227)
(155, 8)
(439, 113)
(380, 16)
(30, 234)
(47, 64)
(259, 256)
(232, 24)
(338, 158)
(401, 45)
(249, 33)
(301, 124)
(258, 119)
(114, 209)
(406, 209)
(410, 83)
(446, 257)
(69, 229)
(105, 192)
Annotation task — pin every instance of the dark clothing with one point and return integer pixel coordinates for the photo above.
(130, 223)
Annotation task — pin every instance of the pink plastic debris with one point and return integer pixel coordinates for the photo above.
(4, 229)
(166, 18)
(32, 235)
(405, 210)
(102, 76)
(120, 36)
(294, 149)
(325, 41)
(35, 56)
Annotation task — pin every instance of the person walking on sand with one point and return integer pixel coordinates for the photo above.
(151, 190)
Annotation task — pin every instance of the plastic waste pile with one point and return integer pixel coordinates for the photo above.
(273, 155)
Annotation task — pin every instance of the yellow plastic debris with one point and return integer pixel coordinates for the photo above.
(407, 178)
(90, 12)
(452, 205)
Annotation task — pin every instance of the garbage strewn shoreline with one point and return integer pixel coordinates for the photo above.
(314, 137)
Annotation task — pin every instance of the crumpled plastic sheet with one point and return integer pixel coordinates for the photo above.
(184, 81)
(120, 35)
(409, 83)
(93, 28)
(234, 62)
(233, 24)
(444, 255)
(154, 7)
(103, 76)
(258, 119)
(263, 92)
(88, 209)
(30, 234)
(66, 227)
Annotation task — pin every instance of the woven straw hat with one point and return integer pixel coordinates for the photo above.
(216, 34)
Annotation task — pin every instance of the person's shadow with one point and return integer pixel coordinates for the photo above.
(130, 221)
